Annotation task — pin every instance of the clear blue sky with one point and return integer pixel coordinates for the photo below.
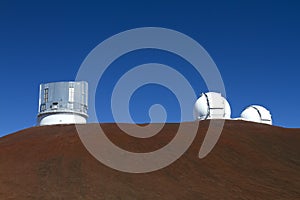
(255, 45)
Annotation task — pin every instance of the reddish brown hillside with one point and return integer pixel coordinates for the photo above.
(250, 161)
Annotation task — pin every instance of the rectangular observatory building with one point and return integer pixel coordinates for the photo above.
(63, 103)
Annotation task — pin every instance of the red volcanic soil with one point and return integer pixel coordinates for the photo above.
(250, 161)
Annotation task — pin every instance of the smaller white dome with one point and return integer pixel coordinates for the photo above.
(211, 105)
(256, 113)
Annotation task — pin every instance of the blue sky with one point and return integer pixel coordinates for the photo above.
(255, 45)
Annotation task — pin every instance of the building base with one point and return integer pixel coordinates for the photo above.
(60, 118)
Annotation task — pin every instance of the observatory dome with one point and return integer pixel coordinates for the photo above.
(256, 113)
(211, 105)
(63, 103)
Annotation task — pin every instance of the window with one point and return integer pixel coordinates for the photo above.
(71, 94)
(46, 95)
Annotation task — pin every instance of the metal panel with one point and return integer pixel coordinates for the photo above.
(64, 97)
(216, 101)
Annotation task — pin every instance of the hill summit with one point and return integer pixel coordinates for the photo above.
(250, 161)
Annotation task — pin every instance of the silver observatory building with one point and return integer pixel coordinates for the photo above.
(63, 103)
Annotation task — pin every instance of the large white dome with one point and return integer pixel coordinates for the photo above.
(256, 113)
(211, 105)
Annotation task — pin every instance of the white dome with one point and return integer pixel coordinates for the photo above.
(257, 114)
(211, 105)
